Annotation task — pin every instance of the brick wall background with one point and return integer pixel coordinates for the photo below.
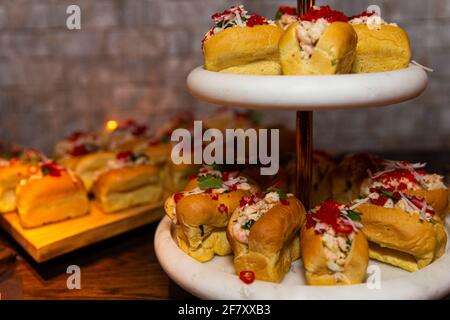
(130, 60)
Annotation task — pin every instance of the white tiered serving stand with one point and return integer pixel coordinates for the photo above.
(216, 279)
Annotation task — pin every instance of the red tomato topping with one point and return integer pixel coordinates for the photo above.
(247, 276)
(79, 150)
(215, 196)
(222, 208)
(52, 169)
(75, 136)
(292, 11)
(284, 202)
(397, 175)
(125, 155)
(362, 14)
(329, 213)
(256, 20)
(177, 196)
(325, 12)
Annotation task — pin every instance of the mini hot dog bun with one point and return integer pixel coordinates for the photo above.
(402, 239)
(200, 228)
(88, 166)
(382, 48)
(51, 199)
(334, 52)
(244, 50)
(273, 242)
(10, 177)
(123, 188)
(315, 260)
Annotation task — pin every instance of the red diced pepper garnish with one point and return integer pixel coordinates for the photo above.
(125, 155)
(215, 196)
(177, 196)
(247, 276)
(284, 202)
(222, 208)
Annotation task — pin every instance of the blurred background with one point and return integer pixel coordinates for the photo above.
(131, 58)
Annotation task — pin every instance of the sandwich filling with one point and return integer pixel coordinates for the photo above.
(214, 182)
(236, 16)
(337, 226)
(253, 207)
(371, 19)
(313, 25)
(286, 15)
(402, 175)
(122, 160)
(79, 144)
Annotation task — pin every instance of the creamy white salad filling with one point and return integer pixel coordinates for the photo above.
(308, 34)
(373, 21)
(249, 214)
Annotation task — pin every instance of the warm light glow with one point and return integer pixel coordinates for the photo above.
(111, 125)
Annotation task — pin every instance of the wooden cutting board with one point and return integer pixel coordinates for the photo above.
(53, 240)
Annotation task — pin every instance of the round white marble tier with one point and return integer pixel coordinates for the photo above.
(216, 279)
(304, 93)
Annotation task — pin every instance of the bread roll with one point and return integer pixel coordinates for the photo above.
(10, 176)
(333, 53)
(272, 243)
(248, 45)
(123, 188)
(87, 167)
(51, 198)
(201, 214)
(402, 239)
(334, 251)
(381, 46)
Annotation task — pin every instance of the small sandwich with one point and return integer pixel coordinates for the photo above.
(334, 250)
(411, 179)
(263, 233)
(321, 42)
(129, 135)
(49, 194)
(403, 229)
(381, 46)
(78, 144)
(14, 168)
(285, 16)
(127, 181)
(201, 212)
(242, 43)
(348, 176)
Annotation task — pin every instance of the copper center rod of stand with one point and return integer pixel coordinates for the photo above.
(304, 138)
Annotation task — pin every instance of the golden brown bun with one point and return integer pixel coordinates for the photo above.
(120, 189)
(200, 229)
(396, 229)
(248, 50)
(159, 153)
(273, 242)
(10, 177)
(348, 177)
(88, 166)
(51, 199)
(437, 198)
(334, 52)
(315, 260)
(381, 49)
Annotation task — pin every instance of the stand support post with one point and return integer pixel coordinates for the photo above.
(304, 138)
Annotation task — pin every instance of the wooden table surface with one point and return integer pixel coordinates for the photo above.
(124, 267)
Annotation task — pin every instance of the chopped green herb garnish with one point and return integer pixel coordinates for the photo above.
(208, 181)
(248, 225)
(278, 15)
(333, 62)
(164, 139)
(386, 192)
(355, 216)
